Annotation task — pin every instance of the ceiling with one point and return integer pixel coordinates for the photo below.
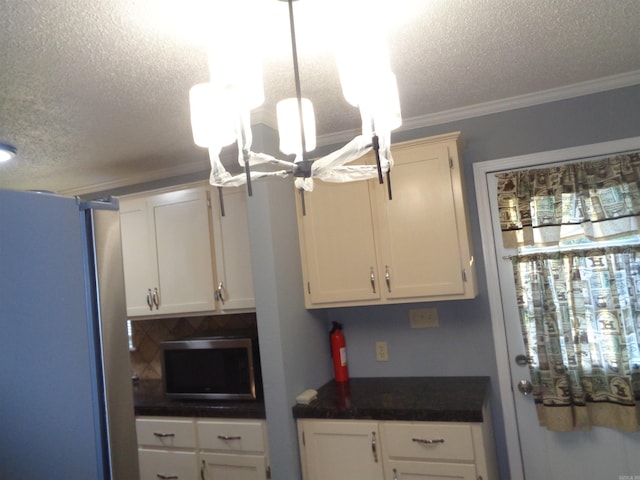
(94, 94)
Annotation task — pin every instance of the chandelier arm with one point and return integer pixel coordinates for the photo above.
(351, 173)
(241, 178)
(352, 151)
(257, 158)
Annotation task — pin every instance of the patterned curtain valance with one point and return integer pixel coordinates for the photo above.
(597, 199)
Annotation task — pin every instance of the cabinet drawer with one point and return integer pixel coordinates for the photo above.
(224, 436)
(167, 433)
(155, 464)
(431, 470)
(224, 466)
(434, 441)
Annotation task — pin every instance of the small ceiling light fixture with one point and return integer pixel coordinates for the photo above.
(220, 112)
(7, 152)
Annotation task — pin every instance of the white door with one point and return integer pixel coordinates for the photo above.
(534, 452)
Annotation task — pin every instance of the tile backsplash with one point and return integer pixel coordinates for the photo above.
(147, 335)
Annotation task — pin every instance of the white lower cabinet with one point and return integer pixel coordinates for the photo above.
(167, 464)
(340, 450)
(166, 448)
(371, 450)
(233, 449)
(202, 449)
(217, 466)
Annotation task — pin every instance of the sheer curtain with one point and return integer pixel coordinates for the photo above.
(578, 298)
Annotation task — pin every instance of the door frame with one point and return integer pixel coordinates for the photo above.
(480, 172)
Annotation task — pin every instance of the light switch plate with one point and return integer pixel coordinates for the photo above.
(423, 318)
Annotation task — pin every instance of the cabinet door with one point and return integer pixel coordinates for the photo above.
(340, 450)
(336, 238)
(429, 471)
(183, 246)
(419, 228)
(216, 466)
(155, 464)
(234, 272)
(138, 256)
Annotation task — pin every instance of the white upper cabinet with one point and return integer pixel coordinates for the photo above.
(168, 254)
(361, 248)
(234, 272)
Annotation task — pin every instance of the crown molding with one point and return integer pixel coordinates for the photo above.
(503, 105)
(262, 116)
(538, 98)
(183, 169)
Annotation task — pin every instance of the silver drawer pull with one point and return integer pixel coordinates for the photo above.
(227, 437)
(166, 477)
(428, 442)
(164, 435)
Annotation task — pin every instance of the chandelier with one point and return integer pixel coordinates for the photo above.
(220, 114)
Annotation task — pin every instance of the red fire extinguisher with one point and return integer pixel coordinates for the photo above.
(339, 353)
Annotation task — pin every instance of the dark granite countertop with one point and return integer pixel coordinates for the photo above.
(436, 399)
(149, 399)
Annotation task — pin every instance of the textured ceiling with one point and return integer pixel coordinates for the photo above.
(95, 93)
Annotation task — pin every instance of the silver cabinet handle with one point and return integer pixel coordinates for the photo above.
(164, 435)
(220, 293)
(202, 470)
(387, 277)
(166, 477)
(395, 474)
(373, 281)
(149, 300)
(227, 437)
(156, 298)
(428, 442)
(373, 447)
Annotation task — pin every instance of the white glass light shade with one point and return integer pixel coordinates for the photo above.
(212, 120)
(289, 126)
(379, 99)
(359, 59)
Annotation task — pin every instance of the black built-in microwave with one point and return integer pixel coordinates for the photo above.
(212, 367)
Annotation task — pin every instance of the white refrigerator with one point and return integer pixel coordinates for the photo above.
(66, 401)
